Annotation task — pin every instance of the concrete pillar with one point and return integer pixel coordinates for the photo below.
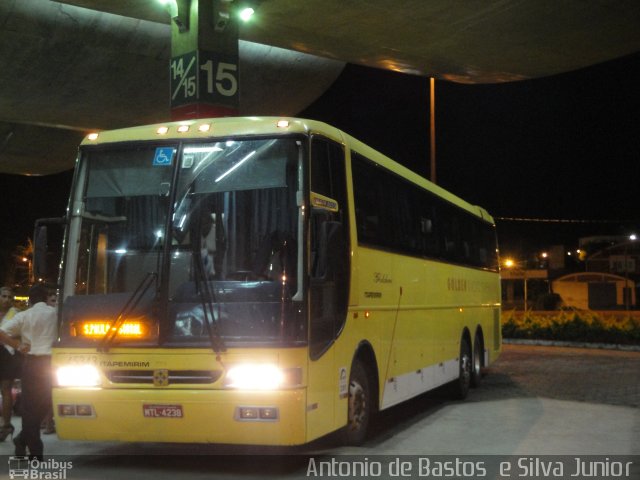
(204, 68)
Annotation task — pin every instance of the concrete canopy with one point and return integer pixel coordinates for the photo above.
(68, 70)
(78, 65)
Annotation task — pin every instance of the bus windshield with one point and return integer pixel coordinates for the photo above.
(216, 224)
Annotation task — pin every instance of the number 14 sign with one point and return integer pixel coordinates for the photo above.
(205, 77)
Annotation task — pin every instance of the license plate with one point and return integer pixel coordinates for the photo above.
(162, 411)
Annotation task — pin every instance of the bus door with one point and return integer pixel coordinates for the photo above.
(328, 282)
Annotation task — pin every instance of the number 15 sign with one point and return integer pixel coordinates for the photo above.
(205, 77)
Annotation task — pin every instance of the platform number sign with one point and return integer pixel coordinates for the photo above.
(206, 77)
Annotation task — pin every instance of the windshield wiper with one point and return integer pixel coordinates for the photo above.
(208, 300)
(132, 302)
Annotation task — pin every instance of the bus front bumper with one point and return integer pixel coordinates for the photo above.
(181, 416)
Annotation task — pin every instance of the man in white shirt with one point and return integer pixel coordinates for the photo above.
(37, 330)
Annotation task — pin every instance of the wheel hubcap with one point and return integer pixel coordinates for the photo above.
(476, 362)
(466, 368)
(357, 406)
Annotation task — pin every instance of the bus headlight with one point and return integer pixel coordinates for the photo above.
(78, 376)
(255, 377)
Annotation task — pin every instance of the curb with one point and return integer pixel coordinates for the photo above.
(555, 343)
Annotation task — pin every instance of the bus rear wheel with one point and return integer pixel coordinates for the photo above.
(478, 353)
(359, 411)
(462, 384)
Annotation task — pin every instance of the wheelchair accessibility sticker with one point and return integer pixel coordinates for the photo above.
(163, 157)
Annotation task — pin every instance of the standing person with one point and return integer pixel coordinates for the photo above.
(48, 424)
(37, 329)
(10, 364)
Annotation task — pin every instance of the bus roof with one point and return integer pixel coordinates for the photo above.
(208, 128)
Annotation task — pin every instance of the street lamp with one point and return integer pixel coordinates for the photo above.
(627, 293)
(27, 260)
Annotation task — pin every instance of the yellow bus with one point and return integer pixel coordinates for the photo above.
(262, 281)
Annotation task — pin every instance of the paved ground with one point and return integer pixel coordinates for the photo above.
(608, 377)
(534, 401)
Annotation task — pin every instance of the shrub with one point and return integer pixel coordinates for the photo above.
(572, 326)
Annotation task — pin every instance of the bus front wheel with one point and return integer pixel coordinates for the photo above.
(359, 410)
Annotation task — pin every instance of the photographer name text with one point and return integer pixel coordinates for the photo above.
(425, 467)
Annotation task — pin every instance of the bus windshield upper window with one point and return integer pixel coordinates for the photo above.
(234, 165)
(235, 229)
(233, 226)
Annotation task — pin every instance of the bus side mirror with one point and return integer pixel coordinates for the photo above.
(40, 245)
(40, 252)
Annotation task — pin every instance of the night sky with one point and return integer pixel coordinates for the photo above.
(564, 147)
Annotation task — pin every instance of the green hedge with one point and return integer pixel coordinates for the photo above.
(589, 327)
